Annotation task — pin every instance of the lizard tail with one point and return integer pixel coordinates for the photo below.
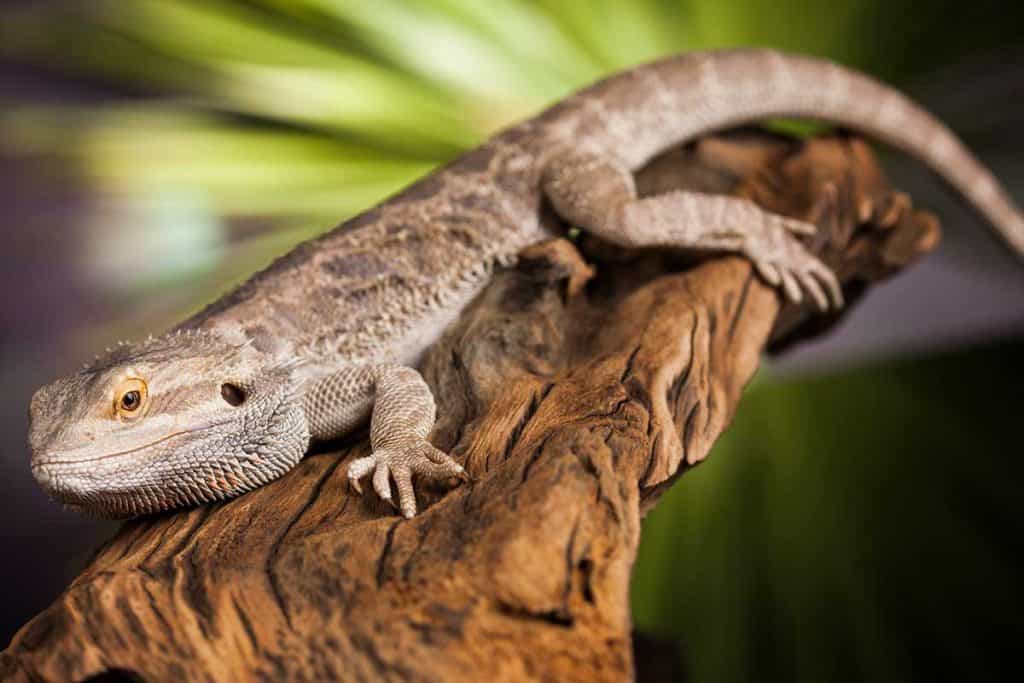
(700, 92)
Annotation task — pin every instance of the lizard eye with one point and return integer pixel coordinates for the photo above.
(130, 397)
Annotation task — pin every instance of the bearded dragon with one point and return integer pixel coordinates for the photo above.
(328, 336)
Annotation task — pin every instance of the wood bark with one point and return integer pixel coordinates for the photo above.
(574, 394)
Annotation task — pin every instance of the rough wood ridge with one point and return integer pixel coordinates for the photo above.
(573, 396)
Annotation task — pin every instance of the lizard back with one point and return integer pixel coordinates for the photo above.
(392, 277)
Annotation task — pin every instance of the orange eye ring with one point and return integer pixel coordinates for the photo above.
(130, 398)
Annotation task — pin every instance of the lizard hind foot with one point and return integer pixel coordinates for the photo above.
(398, 463)
(783, 262)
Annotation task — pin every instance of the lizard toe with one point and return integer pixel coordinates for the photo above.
(790, 286)
(814, 289)
(406, 493)
(382, 479)
(358, 469)
(438, 470)
(828, 278)
(399, 464)
(434, 454)
(769, 272)
(797, 227)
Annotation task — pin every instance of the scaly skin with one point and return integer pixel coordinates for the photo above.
(328, 335)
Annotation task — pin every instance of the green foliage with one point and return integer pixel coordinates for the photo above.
(859, 527)
(305, 112)
(300, 113)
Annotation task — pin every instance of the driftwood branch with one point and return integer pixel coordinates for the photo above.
(575, 396)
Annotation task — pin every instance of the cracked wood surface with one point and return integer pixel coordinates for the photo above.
(574, 395)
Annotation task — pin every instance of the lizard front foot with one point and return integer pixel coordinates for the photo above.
(400, 461)
(783, 262)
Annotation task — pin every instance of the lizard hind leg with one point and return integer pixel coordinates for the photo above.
(597, 194)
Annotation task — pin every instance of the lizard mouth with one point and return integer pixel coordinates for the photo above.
(58, 461)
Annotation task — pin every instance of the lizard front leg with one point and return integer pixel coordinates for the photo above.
(597, 194)
(402, 413)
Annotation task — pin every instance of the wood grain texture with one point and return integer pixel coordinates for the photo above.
(574, 395)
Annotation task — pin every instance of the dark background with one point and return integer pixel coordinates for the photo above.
(861, 519)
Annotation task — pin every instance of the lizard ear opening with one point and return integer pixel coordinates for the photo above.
(232, 394)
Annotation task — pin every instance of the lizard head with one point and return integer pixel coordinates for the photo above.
(182, 419)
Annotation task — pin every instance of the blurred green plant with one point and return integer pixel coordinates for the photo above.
(297, 114)
(824, 538)
(300, 113)
(859, 527)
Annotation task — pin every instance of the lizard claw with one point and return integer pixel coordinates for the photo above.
(357, 470)
(800, 275)
(783, 262)
(398, 463)
(802, 228)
